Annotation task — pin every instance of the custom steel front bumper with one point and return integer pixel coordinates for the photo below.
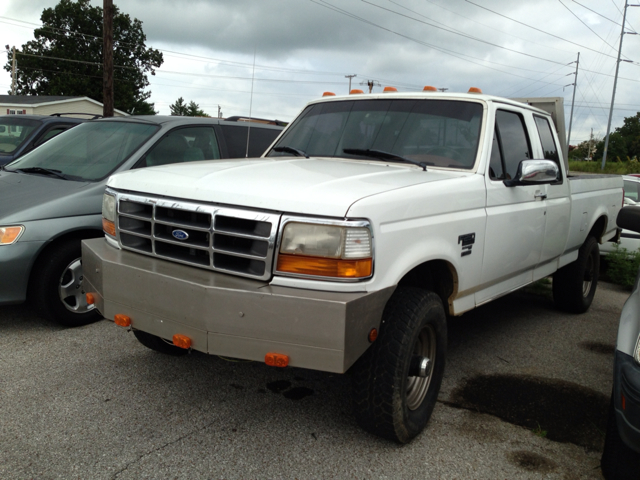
(232, 316)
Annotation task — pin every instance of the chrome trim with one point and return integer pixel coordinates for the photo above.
(324, 221)
(212, 212)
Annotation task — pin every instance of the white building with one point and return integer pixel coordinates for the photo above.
(51, 104)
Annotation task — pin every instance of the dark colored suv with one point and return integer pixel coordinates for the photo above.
(51, 198)
(20, 134)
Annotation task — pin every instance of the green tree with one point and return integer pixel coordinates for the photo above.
(65, 58)
(630, 130)
(179, 108)
(616, 150)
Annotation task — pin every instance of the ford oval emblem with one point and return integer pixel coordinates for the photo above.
(180, 234)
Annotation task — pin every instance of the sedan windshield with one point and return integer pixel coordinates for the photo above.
(14, 131)
(91, 151)
(442, 133)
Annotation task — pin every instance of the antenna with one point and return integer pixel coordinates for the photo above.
(253, 75)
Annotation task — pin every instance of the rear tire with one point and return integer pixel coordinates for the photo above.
(388, 402)
(618, 461)
(58, 292)
(574, 285)
(158, 344)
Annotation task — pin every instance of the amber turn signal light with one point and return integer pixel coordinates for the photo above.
(276, 359)
(122, 320)
(91, 299)
(181, 341)
(109, 227)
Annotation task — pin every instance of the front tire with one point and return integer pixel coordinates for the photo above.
(388, 401)
(59, 294)
(574, 285)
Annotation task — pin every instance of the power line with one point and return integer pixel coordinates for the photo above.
(538, 30)
(591, 29)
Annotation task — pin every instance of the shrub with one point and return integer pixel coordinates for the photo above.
(622, 266)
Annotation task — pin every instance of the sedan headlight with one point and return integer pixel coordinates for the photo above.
(9, 235)
(336, 251)
(109, 214)
(636, 351)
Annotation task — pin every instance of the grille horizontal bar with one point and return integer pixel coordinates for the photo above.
(236, 241)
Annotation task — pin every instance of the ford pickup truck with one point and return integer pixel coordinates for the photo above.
(345, 247)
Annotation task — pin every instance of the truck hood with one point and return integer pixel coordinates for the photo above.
(314, 186)
(25, 198)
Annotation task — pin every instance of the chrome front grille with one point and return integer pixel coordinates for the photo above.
(230, 240)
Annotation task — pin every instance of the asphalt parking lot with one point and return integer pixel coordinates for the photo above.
(522, 398)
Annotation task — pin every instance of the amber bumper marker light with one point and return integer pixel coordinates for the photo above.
(181, 341)
(276, 360)
(91, 299)
(122, 320)
(373, 334)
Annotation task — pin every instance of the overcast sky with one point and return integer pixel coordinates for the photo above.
(302, 48)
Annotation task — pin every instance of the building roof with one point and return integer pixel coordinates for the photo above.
(35, 99)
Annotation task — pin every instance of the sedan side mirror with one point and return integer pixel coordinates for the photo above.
(534, 172)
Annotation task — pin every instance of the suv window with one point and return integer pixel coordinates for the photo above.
(184, 145)
(259, 139)
(15, 131)
(510, 145)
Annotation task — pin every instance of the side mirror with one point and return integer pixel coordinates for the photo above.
(629, 219)
(628, 201)
(534, 172)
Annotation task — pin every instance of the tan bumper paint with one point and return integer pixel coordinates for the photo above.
(232, 316)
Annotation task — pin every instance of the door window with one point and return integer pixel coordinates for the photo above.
(510, 145)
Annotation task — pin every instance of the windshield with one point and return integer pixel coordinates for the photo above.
(90, 151)
(14, 131)
(443, 133)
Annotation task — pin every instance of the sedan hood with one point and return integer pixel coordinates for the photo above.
(24, 197)
(314, 186)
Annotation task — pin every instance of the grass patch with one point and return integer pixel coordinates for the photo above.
(622, 266)
(613, 168)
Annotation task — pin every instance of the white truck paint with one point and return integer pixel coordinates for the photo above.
(456, 229)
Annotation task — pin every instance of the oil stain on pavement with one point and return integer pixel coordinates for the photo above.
(555, 409)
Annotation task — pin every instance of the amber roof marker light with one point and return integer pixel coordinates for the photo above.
(429, 88)
(474, 90)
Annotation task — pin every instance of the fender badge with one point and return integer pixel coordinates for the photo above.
(180, 234)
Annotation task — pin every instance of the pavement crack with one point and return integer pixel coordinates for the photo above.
(161, 447)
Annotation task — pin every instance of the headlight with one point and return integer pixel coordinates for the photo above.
(636, 351)
(9, 235)
(109, 214)
(326, 251)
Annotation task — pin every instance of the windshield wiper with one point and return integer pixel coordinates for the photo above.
(46, 171)
(295, 151)
(382, 155)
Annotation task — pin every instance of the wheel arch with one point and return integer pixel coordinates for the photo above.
(599, 228)
(62, 237)
(438, 276)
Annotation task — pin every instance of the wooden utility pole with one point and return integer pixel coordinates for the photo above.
(107, 50)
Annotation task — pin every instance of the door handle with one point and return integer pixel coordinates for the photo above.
(540, 195)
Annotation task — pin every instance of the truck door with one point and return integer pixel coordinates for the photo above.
(515, 215)
(558, 204)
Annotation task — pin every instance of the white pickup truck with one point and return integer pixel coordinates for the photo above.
(345, 247)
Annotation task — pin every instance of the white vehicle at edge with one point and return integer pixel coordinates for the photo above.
(345, 246)
(629, 240)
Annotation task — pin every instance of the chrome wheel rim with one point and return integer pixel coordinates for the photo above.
(70, 289)
(417, 387)
(588, 276)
